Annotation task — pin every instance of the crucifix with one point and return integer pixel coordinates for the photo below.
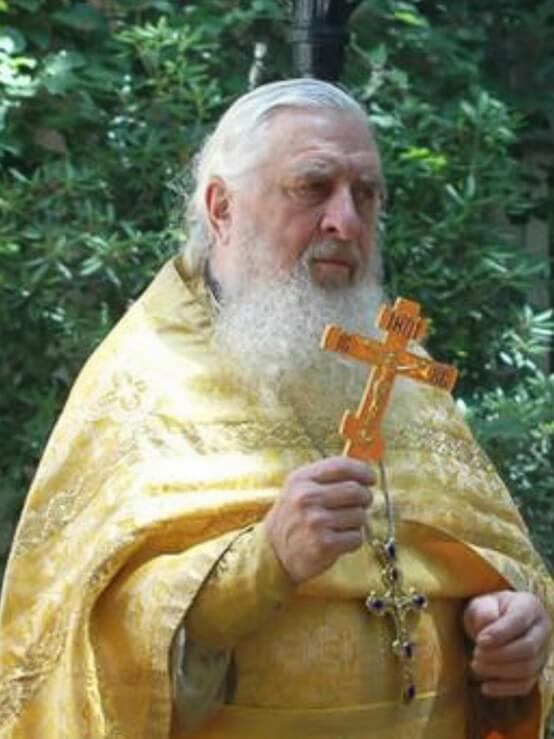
(390, 359)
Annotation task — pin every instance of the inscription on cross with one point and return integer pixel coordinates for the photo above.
(390, 359)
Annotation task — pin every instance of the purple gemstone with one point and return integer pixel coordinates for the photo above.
(376, 604)
(408, 649)
(420, 601)
(390, 549)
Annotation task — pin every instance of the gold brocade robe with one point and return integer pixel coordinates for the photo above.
(159, 450)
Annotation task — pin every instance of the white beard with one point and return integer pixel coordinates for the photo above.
(270, 330)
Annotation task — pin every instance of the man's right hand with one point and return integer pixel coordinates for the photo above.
(319, 515)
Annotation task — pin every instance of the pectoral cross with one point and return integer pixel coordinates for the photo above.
(396, 605)
(364, 441)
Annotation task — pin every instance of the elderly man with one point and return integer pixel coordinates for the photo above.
(192, 561)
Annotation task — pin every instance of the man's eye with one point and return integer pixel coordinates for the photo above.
(313, 189)
(366, 193)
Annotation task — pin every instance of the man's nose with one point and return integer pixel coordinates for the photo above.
(341, 219)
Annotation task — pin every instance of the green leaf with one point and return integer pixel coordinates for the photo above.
(163, 6)
(81, 17)
(383, 121)
(416, 152)
(57, 74)
(469, 110)
(410, 19)
(378, 55)
(470, 185)
(3, 112)
(30, 5)
(11, 41)
(454, 194)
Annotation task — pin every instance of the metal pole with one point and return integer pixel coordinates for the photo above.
(319, 36)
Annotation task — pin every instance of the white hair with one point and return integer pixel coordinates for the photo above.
(237, 144)
(268, 337)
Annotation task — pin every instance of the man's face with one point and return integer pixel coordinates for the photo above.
(315, 195)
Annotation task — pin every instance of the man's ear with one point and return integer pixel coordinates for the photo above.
(218, 205)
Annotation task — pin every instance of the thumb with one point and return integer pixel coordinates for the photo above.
(479, 613)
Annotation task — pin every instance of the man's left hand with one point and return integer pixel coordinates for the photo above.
(511, 634)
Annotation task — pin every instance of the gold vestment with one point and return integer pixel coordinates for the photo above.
(156, 465)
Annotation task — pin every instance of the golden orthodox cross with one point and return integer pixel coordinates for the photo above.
(390, 358)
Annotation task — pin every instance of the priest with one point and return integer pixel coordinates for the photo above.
(196, 557)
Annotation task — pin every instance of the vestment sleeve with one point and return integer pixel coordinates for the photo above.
(245, 586)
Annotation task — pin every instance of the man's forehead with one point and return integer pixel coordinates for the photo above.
(322, 140)
(324, 162)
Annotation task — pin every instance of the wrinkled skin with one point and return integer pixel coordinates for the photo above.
(319, 515)
(511, 633)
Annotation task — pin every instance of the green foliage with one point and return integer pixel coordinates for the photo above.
(514, 422)
(103, 105)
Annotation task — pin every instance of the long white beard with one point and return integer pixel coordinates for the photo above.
(271, 329)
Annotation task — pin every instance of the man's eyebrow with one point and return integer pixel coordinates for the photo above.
(370, 175)
(372, 178)
(313, 168)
